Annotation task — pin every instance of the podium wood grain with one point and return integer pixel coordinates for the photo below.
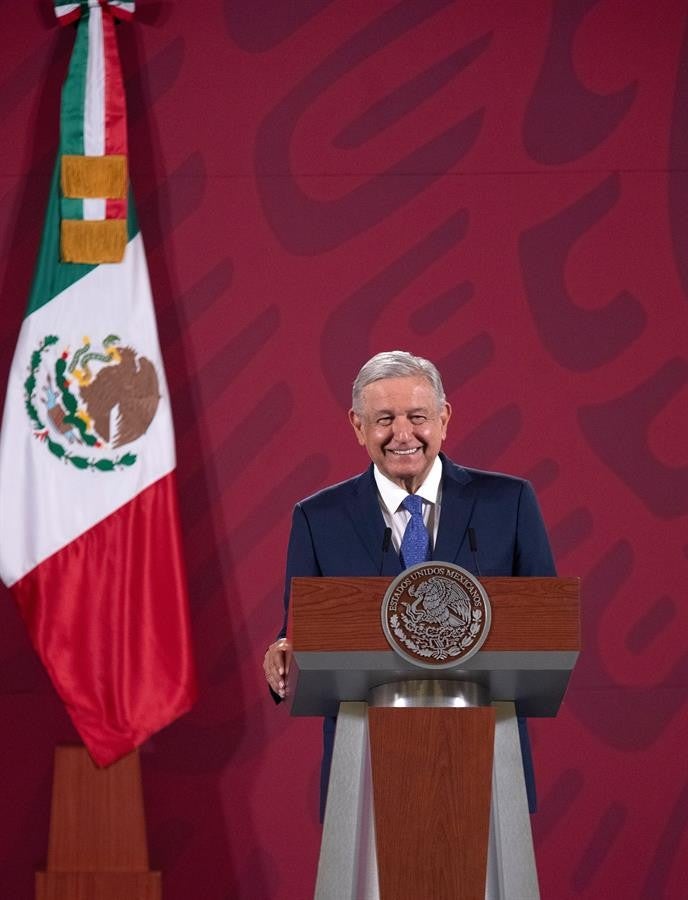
(432, 779)
(528, 614)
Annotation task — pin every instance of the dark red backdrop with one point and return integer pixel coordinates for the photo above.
(500, 186)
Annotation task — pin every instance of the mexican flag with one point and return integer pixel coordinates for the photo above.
(90, 543)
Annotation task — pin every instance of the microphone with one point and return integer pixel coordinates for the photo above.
(386, 541)
(473, 544)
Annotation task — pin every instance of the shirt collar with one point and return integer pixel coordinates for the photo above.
(393, 496)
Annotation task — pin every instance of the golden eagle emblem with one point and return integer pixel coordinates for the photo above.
(95, 400)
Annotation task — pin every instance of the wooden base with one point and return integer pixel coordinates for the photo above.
(98, 886)
(97, 847)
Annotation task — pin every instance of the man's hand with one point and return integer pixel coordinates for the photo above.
(276, 666)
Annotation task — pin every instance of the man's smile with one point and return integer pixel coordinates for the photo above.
(407, 452)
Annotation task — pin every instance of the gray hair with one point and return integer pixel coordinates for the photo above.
(396, 364)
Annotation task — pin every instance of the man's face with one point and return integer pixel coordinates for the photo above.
(401, 427)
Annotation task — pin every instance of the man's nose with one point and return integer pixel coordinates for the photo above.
(401, 428)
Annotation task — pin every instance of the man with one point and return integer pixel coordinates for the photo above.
(488, 523)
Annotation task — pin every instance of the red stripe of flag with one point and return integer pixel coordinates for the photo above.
(115, 110)
(108, 616)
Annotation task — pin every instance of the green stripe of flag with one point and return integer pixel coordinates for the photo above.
(72, 207)
(74, 94)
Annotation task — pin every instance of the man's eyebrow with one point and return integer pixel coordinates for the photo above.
(409, 412)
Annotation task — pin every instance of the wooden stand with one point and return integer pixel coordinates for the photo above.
(97, 848)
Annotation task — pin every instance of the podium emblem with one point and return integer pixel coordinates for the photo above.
(436, 615)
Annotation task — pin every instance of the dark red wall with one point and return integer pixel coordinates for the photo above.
(499, 186)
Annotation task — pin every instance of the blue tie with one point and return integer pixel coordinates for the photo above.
(415, 545)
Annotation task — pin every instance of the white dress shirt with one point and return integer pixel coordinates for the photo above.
(391, 496)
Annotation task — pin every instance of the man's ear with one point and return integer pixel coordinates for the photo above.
(357, 425)
(445, 416)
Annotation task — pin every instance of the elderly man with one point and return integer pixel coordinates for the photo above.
(412, 504)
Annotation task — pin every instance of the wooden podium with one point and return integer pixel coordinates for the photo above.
(427, 796)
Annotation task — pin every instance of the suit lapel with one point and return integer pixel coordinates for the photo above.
(458, 499)
(364, 509)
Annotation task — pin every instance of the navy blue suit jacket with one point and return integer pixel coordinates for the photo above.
(340, 531)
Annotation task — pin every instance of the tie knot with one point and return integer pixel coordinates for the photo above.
(413, 504)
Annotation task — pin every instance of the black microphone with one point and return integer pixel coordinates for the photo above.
(473, 544)
(386, 541)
